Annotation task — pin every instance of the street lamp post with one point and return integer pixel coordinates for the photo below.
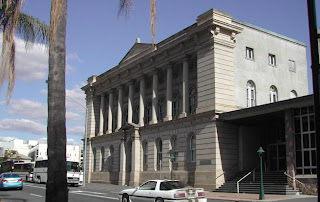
(261, 195)
(172, 157)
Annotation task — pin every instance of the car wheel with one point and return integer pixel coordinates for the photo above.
(125, 198)
(159, 200)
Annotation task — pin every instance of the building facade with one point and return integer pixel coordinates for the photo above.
(165, 108)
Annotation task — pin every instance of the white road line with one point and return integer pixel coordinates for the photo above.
(95, 195)
(36, 195)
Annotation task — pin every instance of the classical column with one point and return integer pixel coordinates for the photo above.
(154, 119)
(185, 88)
(130, 100)
(110, 112)
(141, 101)
(122, 174)
(169, 93)
(102, 109)
(119, 125)
(136, 158)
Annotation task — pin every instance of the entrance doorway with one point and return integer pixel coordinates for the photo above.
(277, 157)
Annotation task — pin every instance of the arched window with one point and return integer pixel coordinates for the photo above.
(102, 159)
(251, 94)
(293, 94)
(193, 148)
(149, 112)
(174, 145)
(273, 94)
(111, 155)
(136, 114)
(145, 154)
(159, 154)
(175, 105)
(94, 160)
(161, 106)
(192, 100)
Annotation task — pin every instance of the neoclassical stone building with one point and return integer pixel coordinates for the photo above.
(201, 96)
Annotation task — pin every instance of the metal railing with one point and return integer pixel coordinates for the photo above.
(227, 170)
(293, 178)
(254, 179)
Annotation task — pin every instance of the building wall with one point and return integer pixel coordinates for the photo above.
(261, 73)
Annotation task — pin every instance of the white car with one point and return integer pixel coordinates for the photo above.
(162, 191)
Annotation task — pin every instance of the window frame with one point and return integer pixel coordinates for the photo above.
(292, 65)
(251, 94)
(192, 100)
(272, 60)
(249, 53)
(175, 106)
(273, 94)
(192, 148)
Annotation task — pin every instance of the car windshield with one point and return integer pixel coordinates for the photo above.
(169, 185)
(10, 175)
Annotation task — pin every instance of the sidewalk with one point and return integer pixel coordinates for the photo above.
(254, 197)
(210, 195)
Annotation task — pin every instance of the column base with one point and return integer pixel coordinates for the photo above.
(168, 118)
(109, 131)
(183, 115)
(100, 133)
(153, 122)
(141, 124)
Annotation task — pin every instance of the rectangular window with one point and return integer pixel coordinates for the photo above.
(249, 53)
(272, 60)
(292, 65)
(305, 148)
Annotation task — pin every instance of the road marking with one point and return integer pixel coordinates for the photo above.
(40, 187)
(36, 195)
(98, 196)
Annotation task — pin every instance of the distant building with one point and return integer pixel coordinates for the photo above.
(200, 103)
(40, 152)
(19, 146)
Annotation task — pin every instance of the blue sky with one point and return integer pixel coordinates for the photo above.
(97, 40)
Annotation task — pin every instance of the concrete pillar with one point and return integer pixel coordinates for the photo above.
(122, 174)
(169, 93)
(154, 118)
(110, 112)
(130, 102)
(141, 101)
(185, 88)
(120, 96)
(136, 159)
(102, 109)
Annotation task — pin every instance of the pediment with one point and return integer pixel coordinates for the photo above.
(136, 50)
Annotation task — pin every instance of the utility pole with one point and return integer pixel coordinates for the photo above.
(315, 67)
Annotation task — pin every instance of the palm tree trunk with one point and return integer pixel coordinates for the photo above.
(57, 189)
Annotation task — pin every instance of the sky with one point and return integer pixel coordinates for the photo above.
(98, 38)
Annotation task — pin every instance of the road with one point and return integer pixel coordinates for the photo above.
(36, 193)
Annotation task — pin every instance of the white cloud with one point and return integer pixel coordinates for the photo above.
(22, 125)
(31, 64)
(7, 139)
(28, 109)
(71, 141)
(75, 57)
(79, 130)
(71, 116)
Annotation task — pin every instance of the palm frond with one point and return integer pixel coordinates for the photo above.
(125, 6)
(32, 30)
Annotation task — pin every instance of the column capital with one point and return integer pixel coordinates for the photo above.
(186, 58)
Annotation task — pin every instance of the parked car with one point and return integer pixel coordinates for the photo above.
(11, 181)
(162, 191)
(29, 177)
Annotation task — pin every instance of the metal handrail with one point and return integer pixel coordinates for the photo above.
(226, 171)
(238, 186)
(294, 178)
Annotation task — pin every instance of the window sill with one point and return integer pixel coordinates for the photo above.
(251, 59)
(272, 65)
(306, 176)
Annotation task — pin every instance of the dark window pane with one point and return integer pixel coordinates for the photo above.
(313, 140)
(305, 124)
(306, 157)
(311, 110)
(298, 141)
(314, 171)
(307, 171)
(299, 171)
(282, 151)
(305, 141)
(311, 123)
(297, 112)
(299, 159)
(314, 158)
(297, 127)
(304, 110)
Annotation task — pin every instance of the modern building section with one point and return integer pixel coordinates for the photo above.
(198, 105)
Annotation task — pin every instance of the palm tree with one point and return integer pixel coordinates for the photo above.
(12, 22)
